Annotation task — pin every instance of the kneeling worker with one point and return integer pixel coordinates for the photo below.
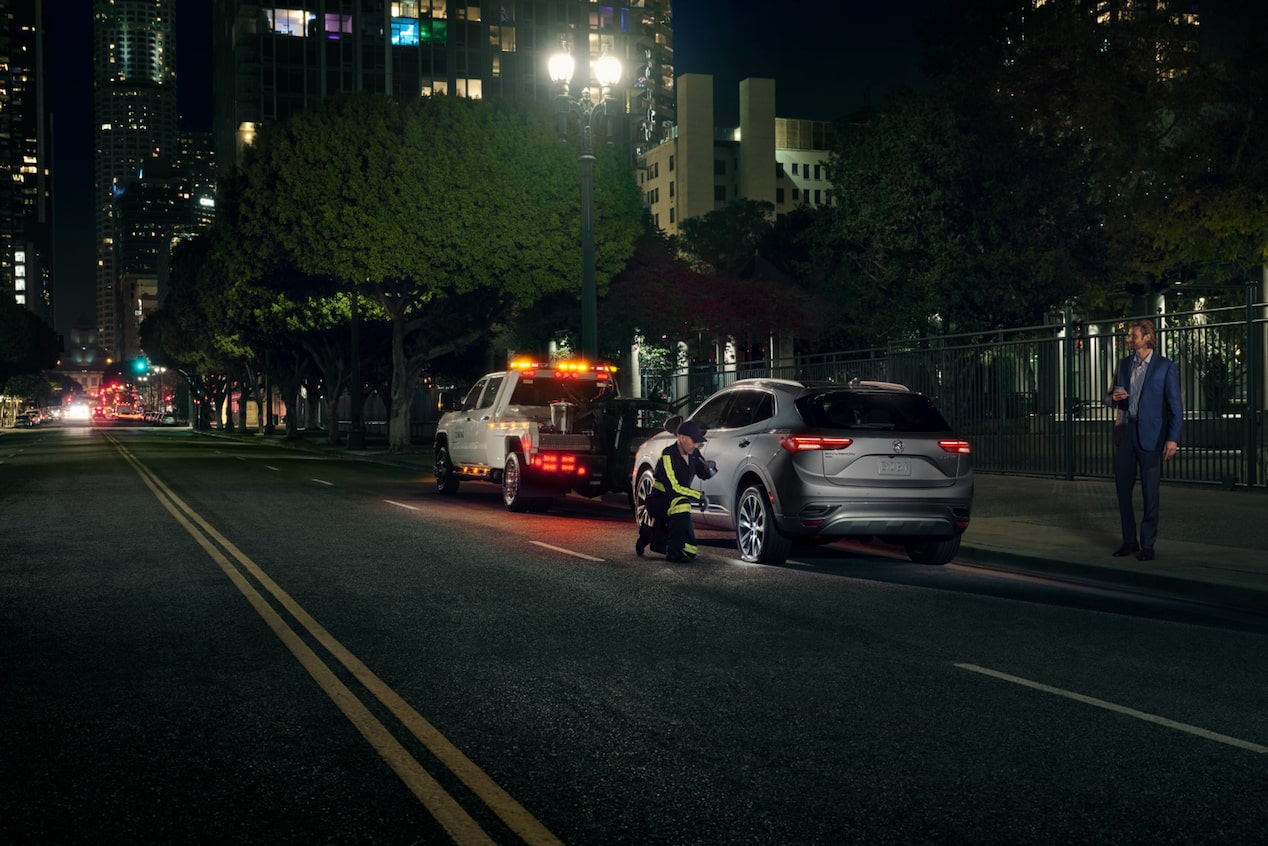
(672, 496)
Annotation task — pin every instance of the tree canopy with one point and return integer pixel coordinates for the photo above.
(440, 215)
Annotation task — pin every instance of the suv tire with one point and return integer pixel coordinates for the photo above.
(756, 536)
(934, 551)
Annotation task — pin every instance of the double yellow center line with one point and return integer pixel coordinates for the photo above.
(442, 806)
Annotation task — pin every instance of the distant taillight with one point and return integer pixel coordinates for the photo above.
(961, 447)
(804, 443)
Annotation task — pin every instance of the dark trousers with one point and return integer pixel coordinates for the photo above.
(682, 536)
(669, 534)
(1131, 459)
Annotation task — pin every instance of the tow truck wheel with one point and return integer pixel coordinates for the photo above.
(446, 481)
(512, 478)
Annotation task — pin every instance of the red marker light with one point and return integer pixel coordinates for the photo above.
(806, 443)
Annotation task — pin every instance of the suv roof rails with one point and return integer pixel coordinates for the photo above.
(868, 383)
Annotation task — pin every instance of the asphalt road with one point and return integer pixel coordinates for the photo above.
(203, 641)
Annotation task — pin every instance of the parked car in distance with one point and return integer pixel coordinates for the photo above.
(22, 421)
(805, 461)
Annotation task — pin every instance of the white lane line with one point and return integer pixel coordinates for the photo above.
(401, 504)
(324, 482)
(1110, 706)
(269, 467)
(567, 551)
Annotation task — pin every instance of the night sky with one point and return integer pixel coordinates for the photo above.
(827, 57)
(846, 50)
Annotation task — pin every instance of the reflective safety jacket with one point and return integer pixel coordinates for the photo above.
(672, 492)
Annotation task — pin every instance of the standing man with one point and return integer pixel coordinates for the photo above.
(1146, 433)
(671, 499)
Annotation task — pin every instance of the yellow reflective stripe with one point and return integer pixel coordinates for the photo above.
(690, 549)
(679, 489)
(679, 506)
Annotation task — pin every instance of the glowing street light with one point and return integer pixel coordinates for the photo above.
(589, 105)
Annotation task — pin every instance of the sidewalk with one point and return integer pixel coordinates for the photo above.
(1212, 544)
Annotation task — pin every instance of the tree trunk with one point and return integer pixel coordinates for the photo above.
(332, 418)
(402, 390)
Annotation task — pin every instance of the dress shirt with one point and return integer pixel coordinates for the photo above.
(1138, 379)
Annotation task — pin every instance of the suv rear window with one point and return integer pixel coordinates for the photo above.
(887, 411)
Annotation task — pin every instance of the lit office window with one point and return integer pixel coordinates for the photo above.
(405, 32)
(289, 21)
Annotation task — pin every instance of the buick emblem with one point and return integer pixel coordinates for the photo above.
(898, 447)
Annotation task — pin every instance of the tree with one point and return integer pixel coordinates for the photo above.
(661, 296)
(724, 240)
(1213, 229)
(943, 216)
(443, 212)
(1151, 130)
(192, 333)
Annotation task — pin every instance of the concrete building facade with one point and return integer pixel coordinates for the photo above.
(701, 167)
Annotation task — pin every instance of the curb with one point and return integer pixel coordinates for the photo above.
(1241, 599)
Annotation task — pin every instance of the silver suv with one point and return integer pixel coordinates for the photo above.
(825, 460)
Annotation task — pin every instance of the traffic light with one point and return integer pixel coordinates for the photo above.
(140, 365)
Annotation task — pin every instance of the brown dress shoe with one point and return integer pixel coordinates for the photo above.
(1126, 549)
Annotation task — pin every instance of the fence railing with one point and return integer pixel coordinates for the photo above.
(1031, 399)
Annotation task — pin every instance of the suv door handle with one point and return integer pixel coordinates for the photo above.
(744, 443)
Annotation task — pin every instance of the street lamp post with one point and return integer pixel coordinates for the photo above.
(606, 72)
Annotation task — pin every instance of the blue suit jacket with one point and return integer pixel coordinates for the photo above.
(1160, 411)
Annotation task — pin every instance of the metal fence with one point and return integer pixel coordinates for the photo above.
(1031, 400)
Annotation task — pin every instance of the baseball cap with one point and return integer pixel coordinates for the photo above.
(691, 429)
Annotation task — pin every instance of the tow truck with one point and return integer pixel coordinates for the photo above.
(541, 431)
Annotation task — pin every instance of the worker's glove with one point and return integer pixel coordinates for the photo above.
(703, 504)
(712, 465)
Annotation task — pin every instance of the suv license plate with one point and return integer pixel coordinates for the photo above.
(895, 467)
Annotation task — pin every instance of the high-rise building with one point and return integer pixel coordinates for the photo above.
(1164, 31)
(25, 170)
(273, 60)
(134, 75)
(197, 184)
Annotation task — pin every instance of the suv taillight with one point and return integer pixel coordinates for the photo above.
(804, 443)
(961, 447)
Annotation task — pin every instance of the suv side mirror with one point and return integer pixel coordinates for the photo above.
(671, 424)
